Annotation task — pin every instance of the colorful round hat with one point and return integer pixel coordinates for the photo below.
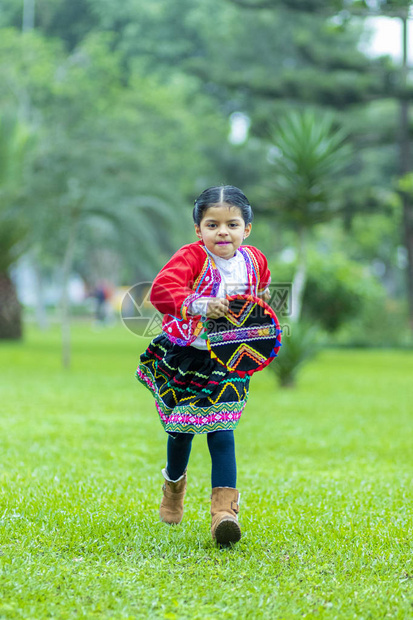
(247, 338)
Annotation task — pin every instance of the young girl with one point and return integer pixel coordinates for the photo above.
(193, 393)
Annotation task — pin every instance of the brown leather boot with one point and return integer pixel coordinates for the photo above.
(225, 528)
(172, 504)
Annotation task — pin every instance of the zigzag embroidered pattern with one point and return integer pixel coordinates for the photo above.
(242, 351)
(248, 338)
(239, 318)
(191, 400)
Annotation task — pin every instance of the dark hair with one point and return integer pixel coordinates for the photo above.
(222, 193)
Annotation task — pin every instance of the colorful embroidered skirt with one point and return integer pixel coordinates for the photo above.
(193, 393)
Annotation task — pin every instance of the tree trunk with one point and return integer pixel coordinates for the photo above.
(41, 312)
(408, 242)
(405, 167)
(300, 278)
(10, 310)
(64, 303)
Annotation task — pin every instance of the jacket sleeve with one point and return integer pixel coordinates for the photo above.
(173, 284)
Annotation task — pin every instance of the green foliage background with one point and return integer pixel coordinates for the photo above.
(129, 108)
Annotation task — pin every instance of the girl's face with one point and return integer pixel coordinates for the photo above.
(222, 229)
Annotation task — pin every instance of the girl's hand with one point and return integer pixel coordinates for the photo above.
(217, 307)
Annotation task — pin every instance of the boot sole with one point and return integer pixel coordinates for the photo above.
(228, 531)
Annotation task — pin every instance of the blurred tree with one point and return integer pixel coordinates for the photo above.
(68, 20)
(301, 51)
(257, 56)
(308, 155)
(143, 138)
(125, 155)
(335, 291)
(369, 80)
(400, 9)
(14, 145)
(282, 55)
(300, 344)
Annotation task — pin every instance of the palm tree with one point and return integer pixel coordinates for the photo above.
(77, 188)
(14, 145)
(308, 155)
(78, 213)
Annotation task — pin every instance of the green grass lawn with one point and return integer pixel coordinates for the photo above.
(325, 474)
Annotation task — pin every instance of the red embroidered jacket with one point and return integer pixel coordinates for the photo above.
(191, 273)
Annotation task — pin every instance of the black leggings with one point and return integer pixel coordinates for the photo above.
(221, 448)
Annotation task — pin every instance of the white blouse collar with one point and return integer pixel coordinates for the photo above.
(227, 262)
